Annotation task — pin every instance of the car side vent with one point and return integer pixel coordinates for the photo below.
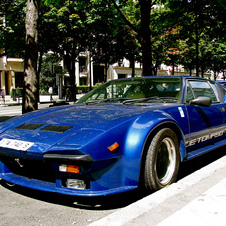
(29, 126)
(56, 129)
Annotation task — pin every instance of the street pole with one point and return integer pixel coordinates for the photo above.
(90, 74)
(58, 70)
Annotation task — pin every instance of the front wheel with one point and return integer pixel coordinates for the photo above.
(162, 160)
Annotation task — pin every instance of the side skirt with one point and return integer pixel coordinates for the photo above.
(206, 149)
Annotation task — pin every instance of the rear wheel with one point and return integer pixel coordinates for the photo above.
(162, 160)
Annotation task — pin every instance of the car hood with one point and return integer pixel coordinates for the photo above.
(71, 126)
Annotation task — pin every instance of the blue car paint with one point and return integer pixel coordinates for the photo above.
(128, 165)
(95, 128)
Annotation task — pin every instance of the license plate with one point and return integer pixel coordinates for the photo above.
(15, 144)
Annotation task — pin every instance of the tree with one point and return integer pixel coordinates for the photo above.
(159, 30)
(12, 32)
(112, 30)
(199, 25)
(47, 77)
(69, 34)
(142, 28)
(93, 26)
(110, 40)
(30, 89)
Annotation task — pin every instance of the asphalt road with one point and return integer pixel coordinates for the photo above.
(21, 206)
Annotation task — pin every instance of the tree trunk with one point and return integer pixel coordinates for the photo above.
(173, 69)
(196, 44)
(72, 76)
(132, 65)
(30, 91)
(39, 72)
(145, 34)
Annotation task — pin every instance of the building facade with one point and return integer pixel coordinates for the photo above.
(11, 73)
(86, 72)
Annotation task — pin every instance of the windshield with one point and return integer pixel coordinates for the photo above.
(134, 90)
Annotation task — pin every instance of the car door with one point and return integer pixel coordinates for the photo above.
(206, 124)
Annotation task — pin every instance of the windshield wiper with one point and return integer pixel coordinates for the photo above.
(141, 99)
(115, 99)
(92, 102)
(162, 99)
(168, 98)
(129, 100)
(106, 100)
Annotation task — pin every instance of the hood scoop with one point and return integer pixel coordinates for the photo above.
(29, 126)
(56, 129)
(49, 128)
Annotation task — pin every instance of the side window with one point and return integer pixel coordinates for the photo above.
(219, 90)
(203, 89)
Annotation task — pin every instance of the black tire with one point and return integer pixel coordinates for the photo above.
(162, 160)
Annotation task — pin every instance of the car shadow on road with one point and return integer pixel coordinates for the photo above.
(92, 203)
(118, 200)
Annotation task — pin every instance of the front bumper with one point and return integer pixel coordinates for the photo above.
(101, 178)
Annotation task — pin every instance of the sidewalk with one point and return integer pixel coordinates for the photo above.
(198, 199)
(43, 99)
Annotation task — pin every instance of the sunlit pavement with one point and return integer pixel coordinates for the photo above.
(42, 100)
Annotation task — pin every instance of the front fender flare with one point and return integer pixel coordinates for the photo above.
(138, 137)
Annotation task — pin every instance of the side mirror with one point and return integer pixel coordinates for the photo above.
(201, 101)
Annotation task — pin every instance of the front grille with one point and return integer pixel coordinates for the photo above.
(31, 169)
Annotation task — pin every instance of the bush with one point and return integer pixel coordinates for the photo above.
(85, 89)
(15, 93)
(81, 89)
(12, 93)
(19, 92)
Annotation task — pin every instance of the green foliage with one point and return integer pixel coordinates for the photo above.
(15, 93)
(19, 92)
(194, 33)
(12, 27)
(111, 30)
(47, 78)
(111, 39)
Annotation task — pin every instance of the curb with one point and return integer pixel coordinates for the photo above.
(149, 203)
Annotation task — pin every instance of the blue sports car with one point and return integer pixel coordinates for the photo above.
(123, 134)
